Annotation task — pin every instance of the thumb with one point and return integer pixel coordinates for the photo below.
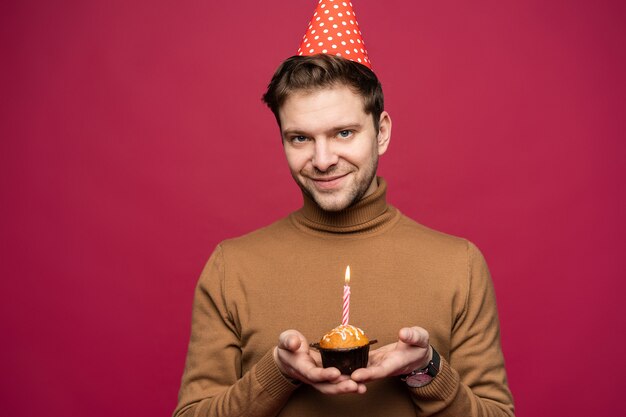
(289, 340)
(414, 336)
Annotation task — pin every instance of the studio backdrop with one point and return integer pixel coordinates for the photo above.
(133, 140)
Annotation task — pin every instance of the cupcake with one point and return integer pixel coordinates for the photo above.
(345, 347)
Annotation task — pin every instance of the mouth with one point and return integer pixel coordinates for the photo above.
(328, 183)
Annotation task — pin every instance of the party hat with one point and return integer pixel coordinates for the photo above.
(334, 30)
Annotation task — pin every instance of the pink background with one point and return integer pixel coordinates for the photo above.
(133, 140)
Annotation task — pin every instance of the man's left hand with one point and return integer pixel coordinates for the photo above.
(412, 351)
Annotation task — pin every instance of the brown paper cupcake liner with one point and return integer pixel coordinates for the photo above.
(347, 360)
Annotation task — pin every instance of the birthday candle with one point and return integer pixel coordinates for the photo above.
(345, 317)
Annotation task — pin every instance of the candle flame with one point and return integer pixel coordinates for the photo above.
(348, 275)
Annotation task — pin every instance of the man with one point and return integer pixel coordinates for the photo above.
(262, 298)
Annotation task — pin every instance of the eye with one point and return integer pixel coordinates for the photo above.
(298, 139)
(344, 134)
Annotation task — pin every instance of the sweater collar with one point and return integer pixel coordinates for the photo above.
(370, 213)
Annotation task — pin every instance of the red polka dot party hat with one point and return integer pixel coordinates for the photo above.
(334, 30)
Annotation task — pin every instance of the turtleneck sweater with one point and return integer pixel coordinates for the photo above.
(289, 275)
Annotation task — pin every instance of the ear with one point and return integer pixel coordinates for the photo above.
(384, 132)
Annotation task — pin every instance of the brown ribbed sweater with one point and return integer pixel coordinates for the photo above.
(289, 275)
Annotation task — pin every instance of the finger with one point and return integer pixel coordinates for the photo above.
(344, 387)
(289, 340)
(315, 374)
(414, 336)
(316, 357)
(369, 374)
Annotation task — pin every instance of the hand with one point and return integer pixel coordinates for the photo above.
(295, 360)
(412, 351)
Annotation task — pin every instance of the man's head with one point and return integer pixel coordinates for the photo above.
(333, 127)
(308, 73)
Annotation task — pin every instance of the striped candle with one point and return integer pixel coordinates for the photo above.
(345, 317)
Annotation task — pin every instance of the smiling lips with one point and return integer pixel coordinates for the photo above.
(329, 182)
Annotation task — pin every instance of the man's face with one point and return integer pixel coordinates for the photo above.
(331, 145)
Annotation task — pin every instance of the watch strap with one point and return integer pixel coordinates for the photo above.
(433, 366)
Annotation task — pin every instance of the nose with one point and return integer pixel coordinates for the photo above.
(323, 156)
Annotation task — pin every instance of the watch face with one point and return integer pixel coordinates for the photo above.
(418, 380)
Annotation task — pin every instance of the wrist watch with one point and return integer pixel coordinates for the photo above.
(421, 377)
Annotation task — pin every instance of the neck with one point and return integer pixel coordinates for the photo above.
(369, 213)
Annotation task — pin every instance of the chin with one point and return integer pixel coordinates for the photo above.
(333, 203)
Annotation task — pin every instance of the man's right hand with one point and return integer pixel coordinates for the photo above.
(296, 361)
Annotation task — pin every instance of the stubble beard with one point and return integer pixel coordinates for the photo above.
(343, 199)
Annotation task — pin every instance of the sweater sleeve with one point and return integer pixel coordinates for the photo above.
(212, 383)
(472, 381)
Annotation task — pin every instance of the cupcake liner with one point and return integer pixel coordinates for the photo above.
(347, 360)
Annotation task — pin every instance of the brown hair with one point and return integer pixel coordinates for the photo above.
(320, 71)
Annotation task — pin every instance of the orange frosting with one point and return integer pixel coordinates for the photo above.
(342, 337)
